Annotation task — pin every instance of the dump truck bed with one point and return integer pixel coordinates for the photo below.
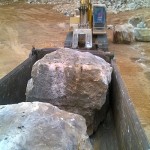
(121, 128)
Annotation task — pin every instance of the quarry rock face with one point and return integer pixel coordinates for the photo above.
(74, 81)
(123, 34)
(41, 126)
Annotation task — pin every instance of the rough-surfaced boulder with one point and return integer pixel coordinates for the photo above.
(147, 21)
(74, 81)
(139, 21)
(41, 126)
(135, 20)
(141, 28)
(123, 34)
(142, 34)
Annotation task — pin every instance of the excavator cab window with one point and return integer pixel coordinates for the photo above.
(99, 17)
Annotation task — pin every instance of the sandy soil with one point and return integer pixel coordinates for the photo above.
(23, 26)
(134, 64)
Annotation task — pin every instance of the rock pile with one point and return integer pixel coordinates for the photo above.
(73, 81)
(6, 2)
(68, 7)
(141, 28)
(123, 5)
(41, 126)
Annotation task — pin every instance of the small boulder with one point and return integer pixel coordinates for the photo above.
(141, 25)
(110, 27)
(131, 6)
(140, 22)
(41, 126)
(141, 28)
(135, 20)
(142, 34)
(73, 81)
(123, 34)
(147, 21)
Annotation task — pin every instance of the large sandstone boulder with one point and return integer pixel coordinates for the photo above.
(123, 34)
(74, 81)
(41, 126)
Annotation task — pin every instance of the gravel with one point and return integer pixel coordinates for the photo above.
(68, 7)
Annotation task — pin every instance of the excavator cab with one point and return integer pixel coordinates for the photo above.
(99, 19)
(99, 27)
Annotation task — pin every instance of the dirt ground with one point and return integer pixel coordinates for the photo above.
(134, 64)
(23, 26)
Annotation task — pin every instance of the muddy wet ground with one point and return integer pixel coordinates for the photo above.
(23, 26)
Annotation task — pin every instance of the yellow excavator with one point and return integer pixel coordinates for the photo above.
(88, 27)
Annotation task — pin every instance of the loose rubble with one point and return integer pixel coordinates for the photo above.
(73, 81)
(41, 126)
(68, 7)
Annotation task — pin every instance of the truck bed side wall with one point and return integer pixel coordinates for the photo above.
(13, 85)
(129, 132)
